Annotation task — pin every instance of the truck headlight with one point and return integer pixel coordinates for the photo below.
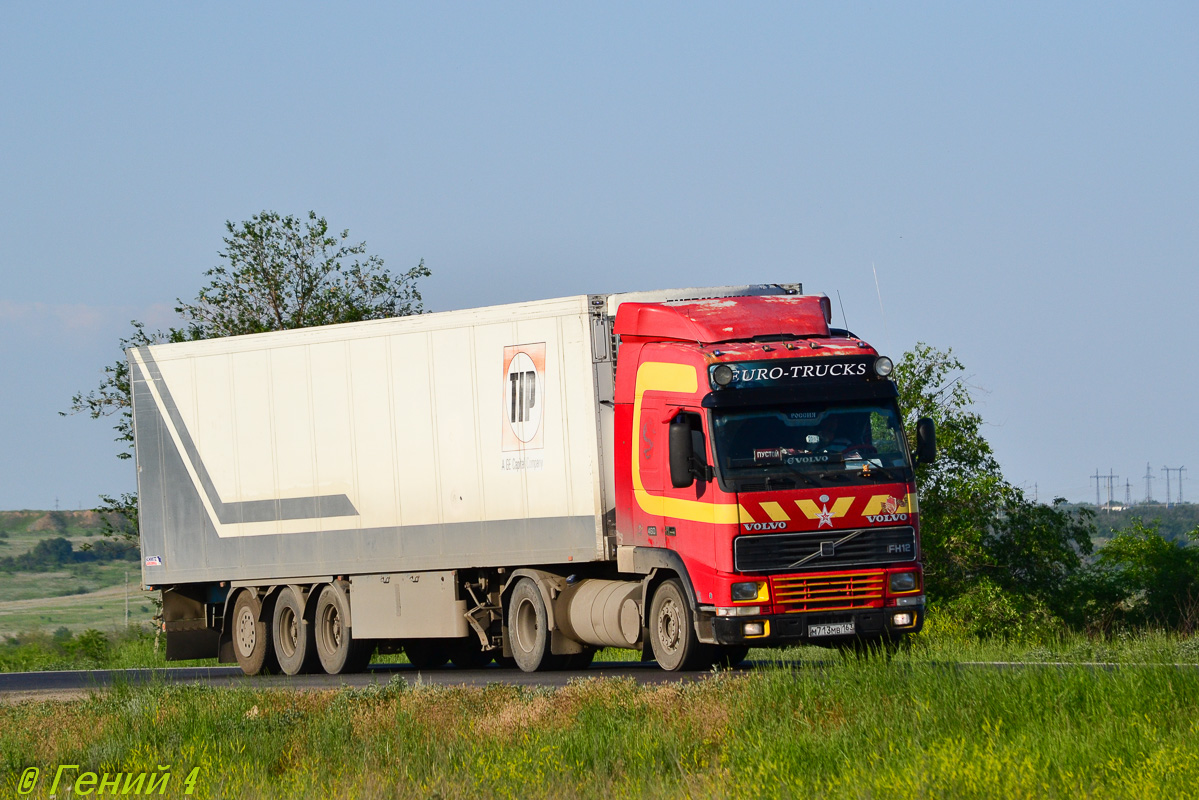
(751, 590)
(883, 366)
(903, 582)
(723, 375)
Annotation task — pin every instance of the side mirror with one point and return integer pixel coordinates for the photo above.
(681, 452)
(926, 441)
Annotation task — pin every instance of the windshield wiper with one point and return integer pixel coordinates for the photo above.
(800, 474)
(881, 470)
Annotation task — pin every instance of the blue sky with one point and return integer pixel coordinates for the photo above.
(1024, 179)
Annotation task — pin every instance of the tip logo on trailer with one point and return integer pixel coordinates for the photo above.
(524, 406)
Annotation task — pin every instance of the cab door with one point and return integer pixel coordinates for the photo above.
(687, 511)
(651, 473)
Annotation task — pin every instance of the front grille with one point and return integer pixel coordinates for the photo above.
(828, 592)
(788, 552)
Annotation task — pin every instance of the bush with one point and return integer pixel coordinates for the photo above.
(1140, 579)
(36, 650)
(91, 645)
(987, 611)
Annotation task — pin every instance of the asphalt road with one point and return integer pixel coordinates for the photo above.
(14, 685)
(17, 686)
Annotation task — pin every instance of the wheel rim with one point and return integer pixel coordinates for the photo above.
(669, 627)
(289, 627)
(526, 625)
(247, 632)
(331, 627)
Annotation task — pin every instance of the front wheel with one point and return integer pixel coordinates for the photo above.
(672, 631)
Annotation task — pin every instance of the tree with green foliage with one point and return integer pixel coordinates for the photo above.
(964, 490)
(977, 530)
(1141, 578)
(276, 273)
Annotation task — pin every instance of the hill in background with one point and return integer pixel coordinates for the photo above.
(57, 569)
(1174, 522)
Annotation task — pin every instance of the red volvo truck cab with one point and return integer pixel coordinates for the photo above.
(765, 465)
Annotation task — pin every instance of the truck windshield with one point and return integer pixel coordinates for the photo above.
(810, 444)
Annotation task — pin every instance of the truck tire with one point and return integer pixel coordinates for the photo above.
(528, 628)
(672, 631)
(338, 652)
(251, 636)
(293, 635)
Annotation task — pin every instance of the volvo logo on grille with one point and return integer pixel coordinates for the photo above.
(826, 550)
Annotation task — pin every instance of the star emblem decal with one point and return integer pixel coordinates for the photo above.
(825, 516)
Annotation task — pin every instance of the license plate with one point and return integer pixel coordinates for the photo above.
(832, 629)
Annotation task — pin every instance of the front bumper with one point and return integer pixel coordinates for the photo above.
(787, 629)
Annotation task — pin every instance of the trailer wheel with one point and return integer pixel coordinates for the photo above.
(338, 652)
(672, 631)
(528, 628)
(293, 636)
(251, 636)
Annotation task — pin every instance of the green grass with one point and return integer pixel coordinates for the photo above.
(806, 722)
(103, 610)
(71, 579)
(859, 729)
(78, 596)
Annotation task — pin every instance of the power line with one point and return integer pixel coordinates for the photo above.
(1127, 493)
(1110, 477)
(1180, 471)
(1148, 484)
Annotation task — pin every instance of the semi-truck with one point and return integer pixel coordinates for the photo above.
(688, 473)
